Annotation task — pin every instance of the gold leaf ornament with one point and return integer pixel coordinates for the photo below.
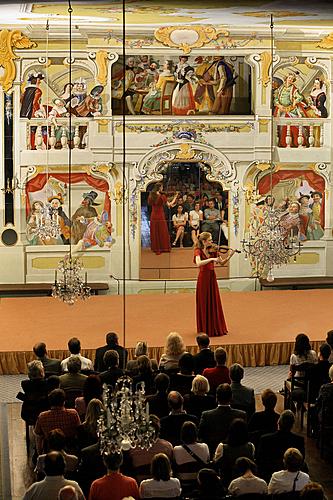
(186, 38)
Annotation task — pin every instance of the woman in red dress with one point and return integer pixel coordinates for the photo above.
(210, 318)
(159, 234)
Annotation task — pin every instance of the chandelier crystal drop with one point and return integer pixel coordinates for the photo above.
(270, 245)
(47, 224)
(124, 423)
(70, 287)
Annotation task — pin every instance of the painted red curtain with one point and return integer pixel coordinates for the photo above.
(38, 182)
(317, 182)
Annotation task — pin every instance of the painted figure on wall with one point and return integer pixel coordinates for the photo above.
(315, 226)
(318, 99)
(304, 213)
(83, 215)
(291, 221)
(56, 202)
(152, 101)
(225, 75)
(30, 101)
(119, 86)
(98, 232)
(183, 102)
(92, 104)
(205, 92)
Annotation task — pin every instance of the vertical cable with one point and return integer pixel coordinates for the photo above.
(70, 10)
(124, 176)
(272, 106)
(47, 27)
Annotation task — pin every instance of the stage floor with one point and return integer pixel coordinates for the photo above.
(262, 325)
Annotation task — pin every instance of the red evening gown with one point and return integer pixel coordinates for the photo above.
(159, 234)
(210, 317)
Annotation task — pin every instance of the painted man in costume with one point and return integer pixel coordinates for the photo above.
(30, 102)
(82, 215)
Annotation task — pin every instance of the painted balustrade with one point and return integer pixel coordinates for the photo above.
(300, 132)
(44, 134)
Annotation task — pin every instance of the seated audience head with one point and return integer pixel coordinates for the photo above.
(236, 372)
(286, 421)
(74, 364)
(57, 398)
(40, 349)
(68, 493)
(92, 388)
(162, 382)
(325, 351)
(223, 394)
(112, 338)
(74, 345)
(202, 340)
(330, 373)
(56, 440)
(160, 467)
(238, 433)
(54, 464)
(52, 382)
(186, 364)
(141, 349)
(220, 356)
(243, 465)
(35, 370)
(111, 359)
(329, 338)
(113, 461)
(208, 479)
(174, 344)
(175, 401)
(155, 423)
(94, 408)
(144, 364)
(292, 460)
(302, 345)
(269, 399)
(189, 433)
(312, 491)
(200, 385)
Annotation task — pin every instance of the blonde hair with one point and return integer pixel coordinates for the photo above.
(200, 385)
(205, 235)
(94, 408)
(174, 344)
(35, 369)
(141, 348)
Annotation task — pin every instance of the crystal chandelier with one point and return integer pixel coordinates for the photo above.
(47, 224)
(124, 423)
(270, 244)
(71, 286)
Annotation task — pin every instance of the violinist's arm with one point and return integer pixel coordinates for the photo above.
(202, 262)
(224, 261)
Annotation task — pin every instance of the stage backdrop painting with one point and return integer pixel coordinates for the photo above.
(299, 195)
(172, 220)
(89, 225)
(183, 85)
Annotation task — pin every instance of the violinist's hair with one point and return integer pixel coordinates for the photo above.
(203, 237)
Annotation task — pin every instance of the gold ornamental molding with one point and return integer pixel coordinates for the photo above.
(10, 40)
(266, 61)
(327, 42)
(187, 38)
(101, 61)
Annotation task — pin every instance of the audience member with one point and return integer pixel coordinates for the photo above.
(210, 486)
(52, 382)
(319, 373)
(72, 380)
(68, 493)
(205, 357)
(49, 487)
(113, 372)
(161, 484)
(114, 484)
(171, 425)
(237, 445)
(312, 491)
(212, 219)
(91, 467)
(56, 441)
(140, 460)
(51, 365)
(58, 416)
(74, 347)
(220, 373)
(214, 424)
(158, 402)
(182, 381)
(190, 456)
(198, 400)
(141, 349)
(174, 349)
(242, 396)
(145, 374)
(264, 422)
(291, 478)
(112, 344)
(329, 340)
(302, 353)
(34, 394)
(246, 482)
(87, 431)
(272, 447)
(92, 389)
(325, 396)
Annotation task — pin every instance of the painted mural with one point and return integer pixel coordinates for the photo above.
(183, 85)
(47, 204)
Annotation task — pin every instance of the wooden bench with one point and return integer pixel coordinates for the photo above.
(41, 289)
(297, 283)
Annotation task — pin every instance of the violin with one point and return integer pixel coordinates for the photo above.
(221, 249)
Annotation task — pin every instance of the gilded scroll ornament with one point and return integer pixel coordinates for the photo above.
(266, 61)
(186, 152)
(186, 38)
(327, 42)
(101, 61)
(10, 40)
